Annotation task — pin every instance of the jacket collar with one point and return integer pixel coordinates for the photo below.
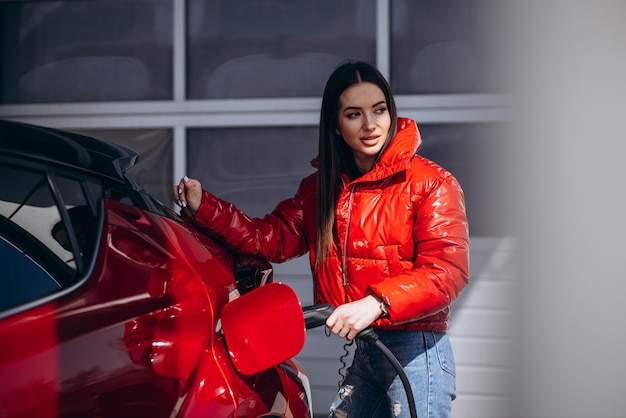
(397, 156)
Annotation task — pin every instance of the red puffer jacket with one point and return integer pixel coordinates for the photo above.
(401, 233)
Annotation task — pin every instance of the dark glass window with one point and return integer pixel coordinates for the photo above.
(254, 168)
(153, 170)
(28, 203)
(81, 208)
(85, 50)
(447, 46)
(267, 48)
(17, 267)
(479, 157)
(44, 249)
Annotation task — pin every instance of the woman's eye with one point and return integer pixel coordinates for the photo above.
(381, 110)
(353, 115)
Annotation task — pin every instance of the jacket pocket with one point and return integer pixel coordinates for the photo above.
(444, 352)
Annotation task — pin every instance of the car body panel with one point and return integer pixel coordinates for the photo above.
(134, 329)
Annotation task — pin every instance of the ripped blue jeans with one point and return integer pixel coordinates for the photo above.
(373, 389)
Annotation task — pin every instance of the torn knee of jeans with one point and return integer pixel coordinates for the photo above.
(344, 398)
(397, 409)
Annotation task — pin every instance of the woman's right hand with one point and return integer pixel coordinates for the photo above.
(188, 195)
(349, 319)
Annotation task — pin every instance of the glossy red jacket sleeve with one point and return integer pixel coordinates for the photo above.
(278, 236)
(441, 267)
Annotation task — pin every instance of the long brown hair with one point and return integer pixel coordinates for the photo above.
(335, 156)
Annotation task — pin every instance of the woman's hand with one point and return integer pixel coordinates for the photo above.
(188, 195)
(350, 319)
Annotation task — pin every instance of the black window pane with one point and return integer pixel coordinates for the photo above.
(17, 266)
(85, 50)
(82, 215)
(31, 220)
(27, 202)
(254, 168)
(479, 157)
(267, 48)
(154, 169)
(448, 46)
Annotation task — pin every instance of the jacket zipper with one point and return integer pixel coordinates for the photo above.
(345, 242)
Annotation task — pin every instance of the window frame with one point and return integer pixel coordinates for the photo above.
(180, 114)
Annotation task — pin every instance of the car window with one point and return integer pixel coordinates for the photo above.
(16, 267)
(49, 231)
(32, 208)
(79, 199)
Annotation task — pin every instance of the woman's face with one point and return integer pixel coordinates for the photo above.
(364, 122)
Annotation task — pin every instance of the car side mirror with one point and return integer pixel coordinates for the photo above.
(263, 328)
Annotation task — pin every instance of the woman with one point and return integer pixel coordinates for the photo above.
(387, 238)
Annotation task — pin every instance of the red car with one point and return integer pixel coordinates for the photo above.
(111, 305)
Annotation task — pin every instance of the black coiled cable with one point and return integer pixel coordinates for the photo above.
(316, 315)
(344, 365)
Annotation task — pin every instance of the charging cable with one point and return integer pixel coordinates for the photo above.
(316, 315)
